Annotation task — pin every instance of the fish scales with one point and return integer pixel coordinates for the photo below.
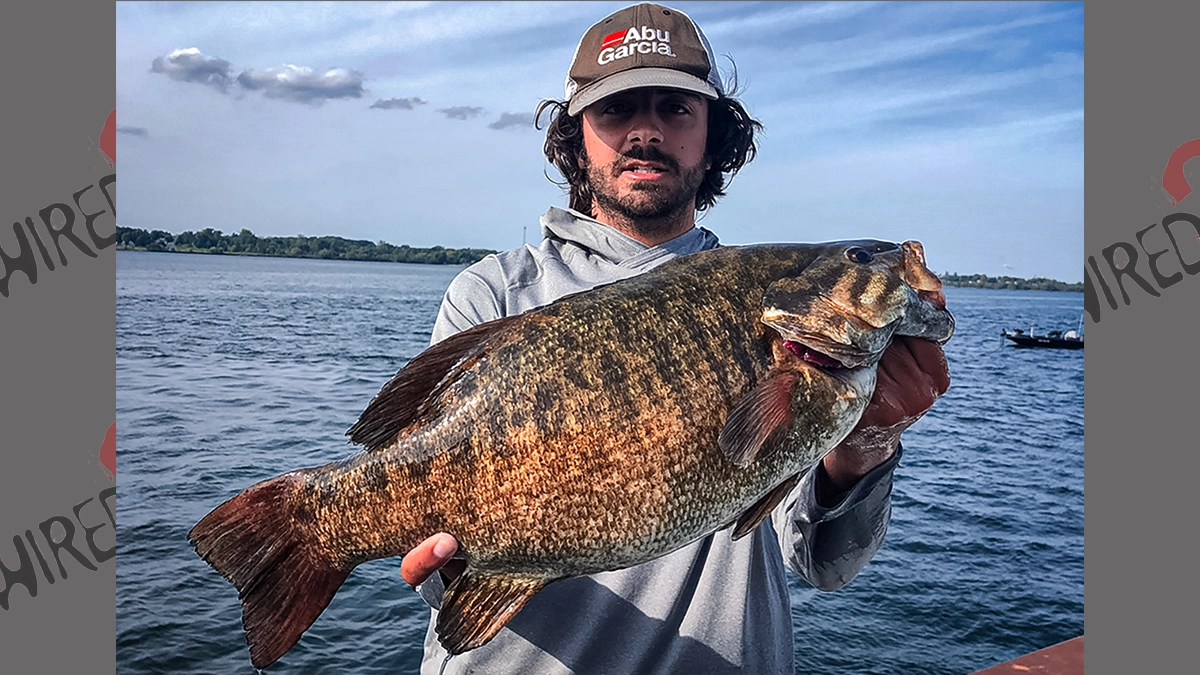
(628, 445)
(580, 437)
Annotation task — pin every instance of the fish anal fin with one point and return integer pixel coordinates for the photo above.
(763, 507)
(760, 420)
(476, 606)
(403, 398)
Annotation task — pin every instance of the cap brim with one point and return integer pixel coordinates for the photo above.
(637, 78)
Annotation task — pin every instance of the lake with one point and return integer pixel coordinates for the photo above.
(231, 370)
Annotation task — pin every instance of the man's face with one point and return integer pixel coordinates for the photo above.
(644, 153)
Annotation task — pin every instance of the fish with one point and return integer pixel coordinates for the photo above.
(595, 433)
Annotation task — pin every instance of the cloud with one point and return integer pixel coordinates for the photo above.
(401, 103)
(189, 65)
(302, 84)
(508, 120)
(461, 112)
(133, 131)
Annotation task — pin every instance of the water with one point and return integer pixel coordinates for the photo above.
(232, 370)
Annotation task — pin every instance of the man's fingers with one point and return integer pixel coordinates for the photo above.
(911, 376)
(428, 557)
(930, 358)
(915, 369)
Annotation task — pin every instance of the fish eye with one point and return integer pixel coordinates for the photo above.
(859, 255)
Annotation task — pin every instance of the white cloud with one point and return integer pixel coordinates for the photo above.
(513, 120)
(398, 103)
(461, 112)
(190, 65)
(302, 84)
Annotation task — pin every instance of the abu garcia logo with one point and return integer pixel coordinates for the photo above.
(1175, 186)
(632, 41)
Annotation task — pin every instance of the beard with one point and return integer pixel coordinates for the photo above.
(648, 209)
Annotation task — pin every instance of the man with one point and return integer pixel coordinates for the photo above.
(644, 138)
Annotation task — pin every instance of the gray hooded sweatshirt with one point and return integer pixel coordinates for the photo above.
(715, 606)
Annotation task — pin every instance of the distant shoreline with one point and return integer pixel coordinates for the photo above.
(246, 243)
(1008, 283)
(214, 242)
(190, 251)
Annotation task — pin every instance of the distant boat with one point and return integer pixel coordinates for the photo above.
(1055, 339)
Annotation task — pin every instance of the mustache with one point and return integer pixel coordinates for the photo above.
(647, 153)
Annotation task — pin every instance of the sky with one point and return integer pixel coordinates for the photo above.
(956, 124)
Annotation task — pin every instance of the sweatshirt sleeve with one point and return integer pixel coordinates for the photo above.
(829, 546)
(469, 301)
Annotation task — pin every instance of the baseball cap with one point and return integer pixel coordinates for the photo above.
(641, 46)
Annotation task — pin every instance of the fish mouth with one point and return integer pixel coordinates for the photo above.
(814, 357)
(832, 336)
(829, 358)
(854, 372)
(830, 348)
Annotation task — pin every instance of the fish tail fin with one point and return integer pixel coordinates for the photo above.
(256, 541)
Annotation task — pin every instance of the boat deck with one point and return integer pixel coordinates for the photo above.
(1064, 658)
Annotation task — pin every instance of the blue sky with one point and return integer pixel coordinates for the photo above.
(957, 124)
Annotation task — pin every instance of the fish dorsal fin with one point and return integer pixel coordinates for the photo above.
(407, 394)
(763, 508)
(760, 420)
(476, 606)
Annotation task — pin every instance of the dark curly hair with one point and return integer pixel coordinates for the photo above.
(730, 146)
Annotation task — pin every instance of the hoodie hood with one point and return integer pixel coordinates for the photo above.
(607, 244)
(576, 253)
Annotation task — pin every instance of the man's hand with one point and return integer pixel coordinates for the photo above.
(430, 556)
(912, 375)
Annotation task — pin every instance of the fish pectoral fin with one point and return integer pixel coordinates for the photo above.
(760, 420)
(407, 394)
(476, 606)
(763, 507)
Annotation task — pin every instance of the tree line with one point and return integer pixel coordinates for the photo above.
(246, 242)
(1010, 283)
